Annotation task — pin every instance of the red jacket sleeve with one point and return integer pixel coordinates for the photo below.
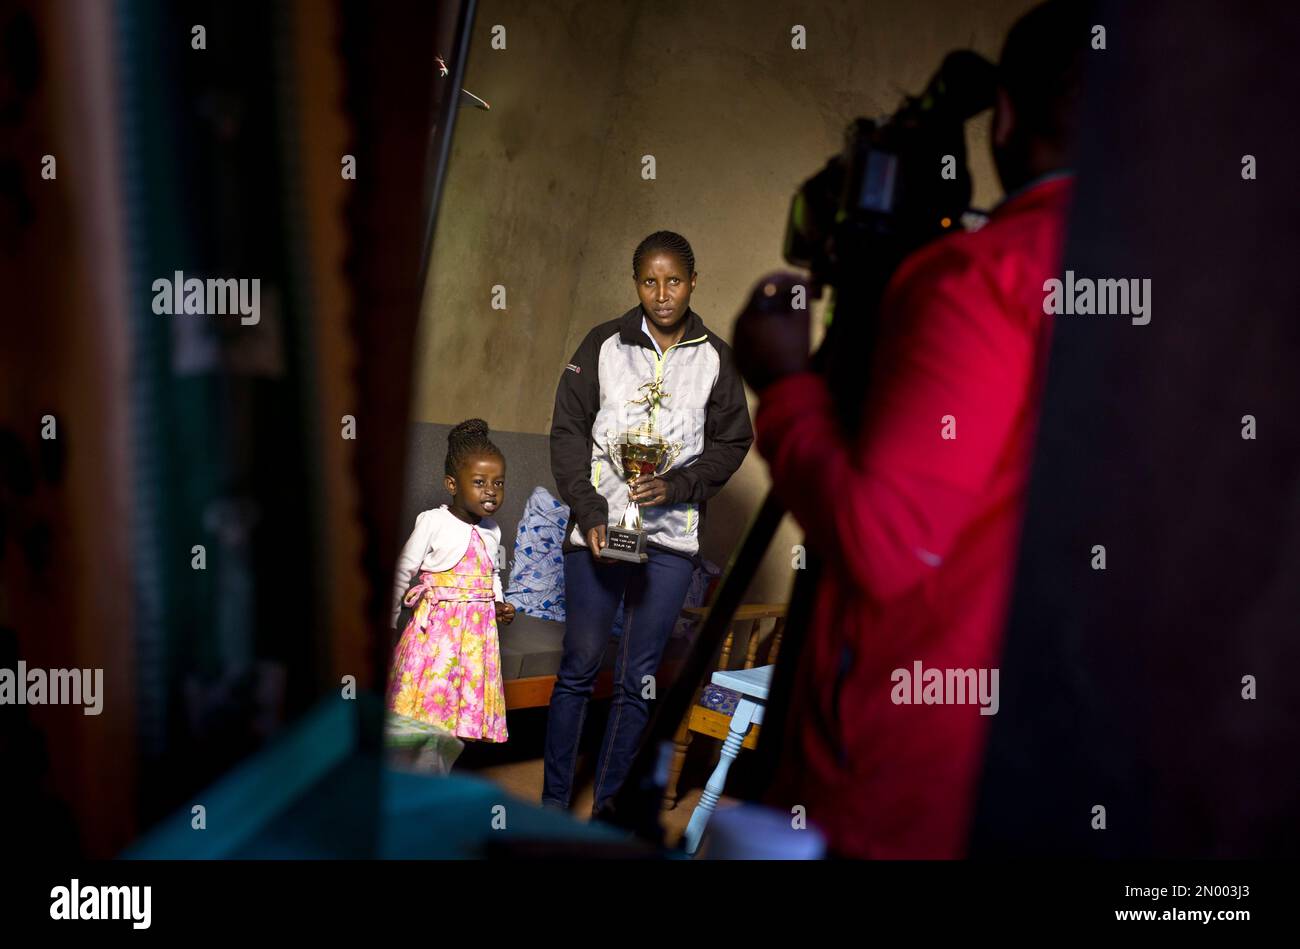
(888, 508)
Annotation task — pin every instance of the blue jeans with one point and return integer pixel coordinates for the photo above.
(652, 595)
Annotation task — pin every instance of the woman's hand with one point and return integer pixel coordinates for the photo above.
(505, 613)
(596, 542)
(649, 489)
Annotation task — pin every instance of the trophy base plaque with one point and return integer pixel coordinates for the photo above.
(635, 454)
(621, 543)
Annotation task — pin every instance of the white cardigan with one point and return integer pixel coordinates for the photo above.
(438, 542)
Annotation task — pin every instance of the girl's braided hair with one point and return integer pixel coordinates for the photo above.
(467, 439)
(667, 241)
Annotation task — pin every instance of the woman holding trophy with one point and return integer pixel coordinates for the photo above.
(650, 422)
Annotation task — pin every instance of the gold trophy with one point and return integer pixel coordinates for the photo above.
(634, 453)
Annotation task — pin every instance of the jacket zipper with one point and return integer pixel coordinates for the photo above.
(845, 666)
(659, 370)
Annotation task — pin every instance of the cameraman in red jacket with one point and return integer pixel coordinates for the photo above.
(917, 516)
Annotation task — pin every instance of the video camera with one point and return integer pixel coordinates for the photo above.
(898, 183)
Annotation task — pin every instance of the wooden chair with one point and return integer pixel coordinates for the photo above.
(712, 707)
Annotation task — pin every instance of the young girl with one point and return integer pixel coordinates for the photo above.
(447, 669)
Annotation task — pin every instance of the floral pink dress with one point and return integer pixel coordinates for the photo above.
(447, 668)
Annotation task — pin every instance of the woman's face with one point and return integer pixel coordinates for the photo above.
(665, 289)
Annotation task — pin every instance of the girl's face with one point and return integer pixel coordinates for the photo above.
(479, 487)
(665, 289)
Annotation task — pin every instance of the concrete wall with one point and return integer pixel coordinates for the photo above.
(544, 193)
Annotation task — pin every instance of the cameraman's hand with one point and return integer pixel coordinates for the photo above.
(771, 337)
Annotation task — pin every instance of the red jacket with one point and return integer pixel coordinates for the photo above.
(918, 532)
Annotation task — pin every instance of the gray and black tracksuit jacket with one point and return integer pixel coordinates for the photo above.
(703, 407)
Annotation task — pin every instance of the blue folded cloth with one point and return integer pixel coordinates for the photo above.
(536, 584)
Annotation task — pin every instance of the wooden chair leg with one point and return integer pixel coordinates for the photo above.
(751, 647)
(681, 742)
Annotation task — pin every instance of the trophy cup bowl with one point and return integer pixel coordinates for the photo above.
(635, 453)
